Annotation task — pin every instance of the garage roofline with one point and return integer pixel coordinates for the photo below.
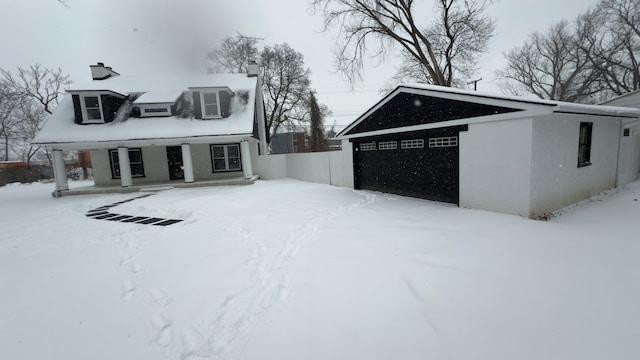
(543, 106)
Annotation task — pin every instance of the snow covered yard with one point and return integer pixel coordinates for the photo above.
(291, 270)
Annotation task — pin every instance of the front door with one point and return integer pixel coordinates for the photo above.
(174, 159)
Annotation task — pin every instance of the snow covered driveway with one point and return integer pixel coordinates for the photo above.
(293, 270)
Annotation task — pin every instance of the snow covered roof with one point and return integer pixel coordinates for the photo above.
(61, 128)
(540, 106)
(560, 106)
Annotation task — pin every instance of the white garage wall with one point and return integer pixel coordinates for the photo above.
(557, 181)
(629, 163)
(495, 171)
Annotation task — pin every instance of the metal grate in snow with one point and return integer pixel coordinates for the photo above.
(102, 213)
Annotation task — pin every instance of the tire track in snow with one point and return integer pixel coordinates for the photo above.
(241, 311)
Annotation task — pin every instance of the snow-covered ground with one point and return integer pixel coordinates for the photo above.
(291, 270)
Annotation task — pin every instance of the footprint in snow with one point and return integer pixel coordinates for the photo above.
(159, 297)
(195, 345)
(136, 269)
(283, 292)
(164, 334)
(125, 259)
(128, 290)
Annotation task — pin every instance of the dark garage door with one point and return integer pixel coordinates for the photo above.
(423, 165)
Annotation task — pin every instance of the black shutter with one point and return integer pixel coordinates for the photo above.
(197, 108)
(77, 109)
(225, 103)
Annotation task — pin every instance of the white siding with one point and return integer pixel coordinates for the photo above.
(330, 167)
(311, 167)
(629, 163)
(495, 170)
(631, 100)
(557, 181)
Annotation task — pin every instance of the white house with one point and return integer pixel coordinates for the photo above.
(508, 154)
(143, 130)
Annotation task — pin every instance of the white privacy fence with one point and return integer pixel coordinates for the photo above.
(331, 167)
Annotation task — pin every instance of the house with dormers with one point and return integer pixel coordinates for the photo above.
(146, 130)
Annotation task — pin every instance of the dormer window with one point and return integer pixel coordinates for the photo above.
(210, 105)
(91, 108)
(211, 102)
(96, 106)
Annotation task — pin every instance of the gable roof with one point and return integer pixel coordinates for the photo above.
(630, 99)
(61, 128)
(417, 106)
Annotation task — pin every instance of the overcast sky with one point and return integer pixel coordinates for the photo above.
(173, 36)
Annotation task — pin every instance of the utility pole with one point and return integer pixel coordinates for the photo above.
(475, 84)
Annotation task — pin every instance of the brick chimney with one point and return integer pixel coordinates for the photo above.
(253, 69)
(101, 72)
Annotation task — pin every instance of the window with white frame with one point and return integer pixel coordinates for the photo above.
(368, 146)
(226, 157)
(449, 141)
(135, 163)
(210, 103)
(387, 145)
(156, 111)
(91, 108)
(412, 144)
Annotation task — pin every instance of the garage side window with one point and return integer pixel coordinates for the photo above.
(368, 146)
(387, 145)
(584, 147)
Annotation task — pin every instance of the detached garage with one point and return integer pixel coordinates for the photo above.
(507, 154)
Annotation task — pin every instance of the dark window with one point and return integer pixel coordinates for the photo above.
(226, 157)
(627, 132)
(584, 148)
(156, 110)
(135, 162)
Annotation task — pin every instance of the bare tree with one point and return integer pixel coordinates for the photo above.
(554, 65)
(8, 119)
(438, 51)
(31, 119)
(42, 84)
(234, 54)
(285, 79)
(589, 60)
(36, 91)
(286, 83)
(615, 44)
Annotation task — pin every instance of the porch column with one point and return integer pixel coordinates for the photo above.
(59, 171)
(125, 167)
(245, 155)
(187, 163)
